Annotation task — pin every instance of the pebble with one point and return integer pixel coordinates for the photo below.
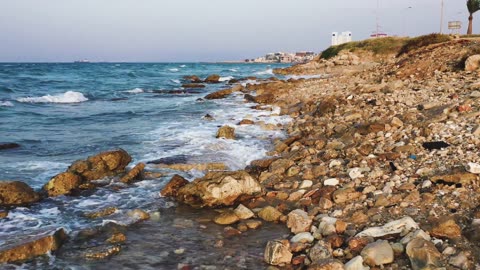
(378, 253)
(473, 168)
(356, 264)
(331, 182)
(303, 237)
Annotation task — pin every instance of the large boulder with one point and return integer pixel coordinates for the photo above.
(63, 184)
(193, 79)
(423, 254)
(105, 164)
(213, 79)
(172, 187)
(134, 174)
(219, 189)
(16, 193)
(30, 247)
(472, 63)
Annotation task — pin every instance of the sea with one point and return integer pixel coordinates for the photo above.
(63, 112)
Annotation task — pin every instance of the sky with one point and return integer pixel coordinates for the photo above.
(203, 30)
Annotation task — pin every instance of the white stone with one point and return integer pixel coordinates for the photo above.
(401, 226)
(331, 182)
(355, 173)
(378, 253)
(416, 234)
(304, 237)
(473, 168)
(243, 212)
(426, 184)
(306, 184)
(356, 264)
(335, 163)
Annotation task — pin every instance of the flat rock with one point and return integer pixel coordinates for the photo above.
(243, 212)
(226, 132)
(378, 253)
(172, 187)
(270, 214)
(134, 174)
(446, 227)
(403, 225)
(226, 218)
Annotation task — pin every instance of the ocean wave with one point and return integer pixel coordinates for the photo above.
(175, 81)
(233, 70)
(135, 91)
(224, 79)
(173, 69)
(6, 104)
(182, 66)
(67, 97)
(266, 72)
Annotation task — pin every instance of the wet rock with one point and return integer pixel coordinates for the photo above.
(3, 214)
(435, 145)
(246, 122)
(102, 252)
(446, 228)
(138, 214)
(270, 214)
(193, 85)
(63, 184)
(214, 78)
(298, 221)
(231, 232)
(226, 218)
(378, 253)
(192, 78)
(253, 224)
(214, 166)
(105, 164)
(5, 146)
(28, 248)
(223, 93)
(219, 189)
(327, 264)
(243, 212)
(134, 174)
(356, 264)
(226, 132)
(423, 255)
(403, 226)
(472, 63)
(117, 238)
(278, 253)
(16, 193)
(320, 251)
(101, 213)
(172, 187)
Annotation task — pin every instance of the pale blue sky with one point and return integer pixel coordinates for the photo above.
(201, 30)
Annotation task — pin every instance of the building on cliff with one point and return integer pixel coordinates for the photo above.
(344, 37)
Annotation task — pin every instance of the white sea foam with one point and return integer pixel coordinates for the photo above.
(173, 69)
(176, 81)
(266, 72)
(297, 77)
(6, 104)
(182, 66)
(135, 91)
(67, 97)
(224, 79)
(244, 84)
(233, 70)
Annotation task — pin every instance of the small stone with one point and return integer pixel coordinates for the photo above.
(226, 218)
(138, 214)
(179, 251)
(378, 253)
(270, 214)
(355, 173)
(473, 168)
(356, 264)
(327, 264)
(278, 253)
(403, 225)
(253, 224)
(446, 228)
(303, 237)
(299, 221)
(243, 212)
(331, 182)
(460, 261)
(345, 195)
(320, 251)
(116, 238)
(306, 184)
(396, 122)
(325, 203)
(423, 254)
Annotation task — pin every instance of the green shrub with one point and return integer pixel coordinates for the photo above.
(423, 41)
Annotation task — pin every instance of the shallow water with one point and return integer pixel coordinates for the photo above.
(59, 113)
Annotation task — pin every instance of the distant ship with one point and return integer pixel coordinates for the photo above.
(82, 61)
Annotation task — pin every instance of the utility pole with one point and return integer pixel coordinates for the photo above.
(377, 19)
(441, 18)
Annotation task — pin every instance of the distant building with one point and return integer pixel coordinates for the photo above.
(283, 57)
(344, 37)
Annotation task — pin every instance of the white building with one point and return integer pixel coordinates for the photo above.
(344, 37)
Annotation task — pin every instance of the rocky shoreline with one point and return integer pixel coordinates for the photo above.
(380, 168)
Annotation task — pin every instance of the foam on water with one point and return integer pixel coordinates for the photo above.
(182, 66)
(135, 91)
(173, 69)
(224, 79)
(6, 104)
(67, 97)
(265, 72)
(233, 70)
(297, 77)
(175, 81)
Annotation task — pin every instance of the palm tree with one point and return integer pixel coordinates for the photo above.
(473, 6)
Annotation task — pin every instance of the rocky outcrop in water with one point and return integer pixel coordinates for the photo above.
(105, 164)
(219, 189)
(214, 78)
(16, 193)
(224, 93)
(5, 146)
(63, 184)
(226, 132)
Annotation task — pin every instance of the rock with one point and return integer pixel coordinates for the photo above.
(423, 255)
(138, 214)
(246, 122)
(472, 63)
(446, 228)
(320, 251)
(303, 237)
(101, 213)
(270, 214)
(328, 264)
(460, 261)
(331, 182)
(243, 212)
(117, 238)
(355, 173)
(473, 168)
(435, 145)
(193, 85)
(253, 224)
(16, 193)
(267, 98)
(31, 246)
(101, 253)
(403, 226)
(325, 203)
(213, 79)
(231, 232)
(134, 174)
(396, 122)
(220, 94)
(63, 184)
(278, 253)
(378, 253)
(345, 195)
(192, 78)
(226, 132)
(172, 187)
(214, 166)
(3, 214)
(226, 218)
(356, 264)
(105, 164)
(306, 184)
(457, 178)
(5, 146)
(298, 221)
(219, 189)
